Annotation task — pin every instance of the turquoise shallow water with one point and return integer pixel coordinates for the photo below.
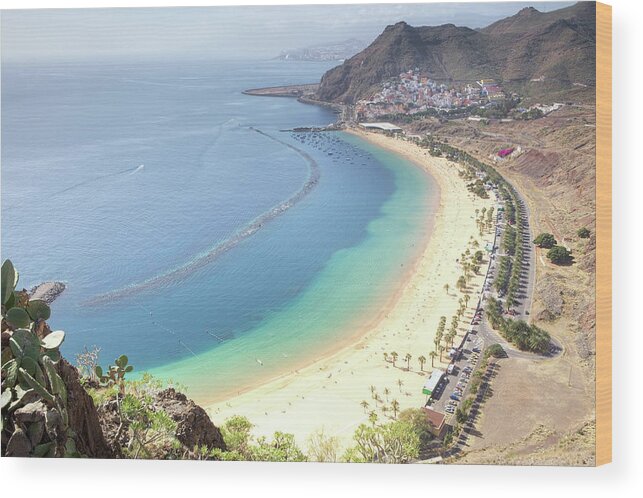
(117, 175)
(343, 299)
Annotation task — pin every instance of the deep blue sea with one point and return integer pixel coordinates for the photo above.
(192, 233)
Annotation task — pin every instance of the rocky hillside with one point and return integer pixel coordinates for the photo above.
(555, 49)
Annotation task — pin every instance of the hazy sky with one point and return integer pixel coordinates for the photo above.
(221, 32)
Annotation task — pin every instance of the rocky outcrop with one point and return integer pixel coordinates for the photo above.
(194, 427)
(83, 416)
(47, 291)
(551, 291)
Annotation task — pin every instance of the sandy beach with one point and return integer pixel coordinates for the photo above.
(328, 395)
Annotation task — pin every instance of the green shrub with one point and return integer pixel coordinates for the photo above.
(559, 255)
(545, 240)
(395, 442)
(242, 446)
(526, 337)
(496, 351)
(583, 233)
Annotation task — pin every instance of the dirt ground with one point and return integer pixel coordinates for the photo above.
(529, 400)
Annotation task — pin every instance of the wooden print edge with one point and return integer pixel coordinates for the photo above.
(603, 234)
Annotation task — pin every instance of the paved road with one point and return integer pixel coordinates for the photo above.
(527, 282)
(481, 334)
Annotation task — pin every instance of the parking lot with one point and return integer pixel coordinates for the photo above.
(455, 386)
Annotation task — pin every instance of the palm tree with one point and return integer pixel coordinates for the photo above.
(385, 356)
(441, 349)
(395, 406)
(408, 361)
(373, 389)
(461, 283)
(377, 398)
(364, 404)
(400, 383)
(372, 418)
(433, 354)
(422, 361)
(466, 299)
(394, 357)
(446, 288)
(387, 391)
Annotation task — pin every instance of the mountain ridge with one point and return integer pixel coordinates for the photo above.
(530, 52)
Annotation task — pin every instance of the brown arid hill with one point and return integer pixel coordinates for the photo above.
(555, 48)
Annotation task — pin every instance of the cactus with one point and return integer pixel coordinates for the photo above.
(115, 374)
(38, 310)
(17, 317)
(29, 372)
(9, 280)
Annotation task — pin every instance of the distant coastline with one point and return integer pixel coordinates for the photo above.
(305, 93)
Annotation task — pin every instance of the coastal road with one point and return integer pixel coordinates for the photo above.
(481, 334)
(522, 309)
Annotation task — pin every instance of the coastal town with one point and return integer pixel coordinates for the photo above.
(414, 92)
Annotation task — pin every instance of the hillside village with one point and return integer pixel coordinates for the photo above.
(414, 91)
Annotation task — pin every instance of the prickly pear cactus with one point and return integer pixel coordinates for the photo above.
(34, 398)
(115, 374)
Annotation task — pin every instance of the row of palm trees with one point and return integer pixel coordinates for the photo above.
(470, 262)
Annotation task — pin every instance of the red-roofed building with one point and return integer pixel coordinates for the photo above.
(436, 421)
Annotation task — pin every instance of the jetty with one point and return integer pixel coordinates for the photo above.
(293, 91)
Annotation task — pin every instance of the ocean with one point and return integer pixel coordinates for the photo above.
(193, 233)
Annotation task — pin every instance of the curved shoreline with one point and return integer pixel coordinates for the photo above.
(223, 247)
(338, 380)
(352, 327)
